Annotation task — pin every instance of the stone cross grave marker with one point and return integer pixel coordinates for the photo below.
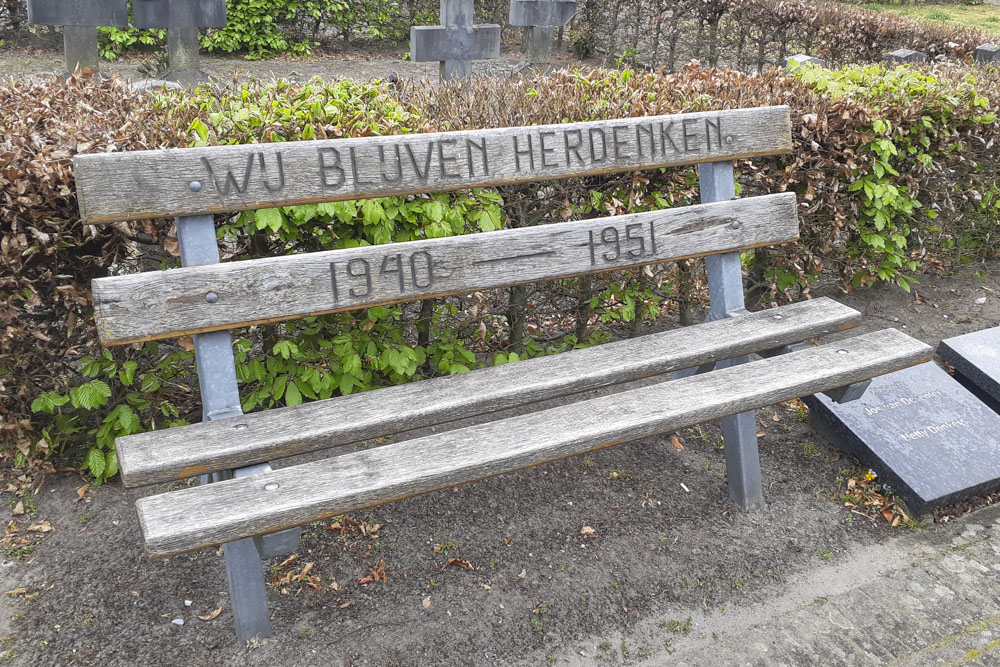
(976, 360)
(181, 18)
(987, 53)
(79, 20)
(922, 432)
(905, 56)
(803, 59)
(456, 42)
(541, 18)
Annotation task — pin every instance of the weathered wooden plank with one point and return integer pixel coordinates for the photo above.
(164, 304)
(192, 518)
(220, 179)
(164, 456)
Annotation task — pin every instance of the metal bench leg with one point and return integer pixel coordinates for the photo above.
(220, 398)
(725, 286)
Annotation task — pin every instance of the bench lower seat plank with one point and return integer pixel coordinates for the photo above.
(197, 517)
(164, 456)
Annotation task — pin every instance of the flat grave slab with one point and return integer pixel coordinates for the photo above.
(976, 360)
(922, 432)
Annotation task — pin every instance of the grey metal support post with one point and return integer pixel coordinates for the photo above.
(221, 399)
(725, 286)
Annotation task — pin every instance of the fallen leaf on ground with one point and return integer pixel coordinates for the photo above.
(587, 530)
(464, 564)
(378, 572)
(18, 508)
(42, 527)
(288, 561)
(676, 442)
(485, 587)
(364, 581)
(345, 605)
(17, 591)
(427, 602)
(212, 615)
(82, 491)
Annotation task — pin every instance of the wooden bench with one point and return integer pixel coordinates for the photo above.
(249, 502)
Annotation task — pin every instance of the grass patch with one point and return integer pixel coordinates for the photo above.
(983, 17)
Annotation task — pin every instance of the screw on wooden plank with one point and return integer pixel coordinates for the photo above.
(182, 19)
(541, 19)
(456, 42)
(80, 20)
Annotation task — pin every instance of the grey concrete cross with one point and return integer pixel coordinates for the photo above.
(541, 18)
(79, 20)
(181, 18)
(456, 42)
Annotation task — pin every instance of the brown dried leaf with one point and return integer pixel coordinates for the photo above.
(464, 564)
(588, 531)
(676, 443)
(211, 615)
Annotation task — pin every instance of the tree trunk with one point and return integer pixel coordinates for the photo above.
(583, 293)
(515, 317)
(685, 293)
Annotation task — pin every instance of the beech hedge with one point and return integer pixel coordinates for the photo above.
(896, 172)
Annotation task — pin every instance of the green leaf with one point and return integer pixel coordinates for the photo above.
(127, 373)
(292, 394)
(95, 463)
(110, 464)
(268, 218)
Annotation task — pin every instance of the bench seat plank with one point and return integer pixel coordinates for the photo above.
(222, 179)
(168, 455)
(198, 299)
(193, 518)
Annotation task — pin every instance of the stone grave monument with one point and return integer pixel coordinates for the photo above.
(182, 19)
(906, 56)
(541, 18)
(456, 42)
(80, 20)
(803, 59)
(976, 360)
(987, 53)
(923, 433)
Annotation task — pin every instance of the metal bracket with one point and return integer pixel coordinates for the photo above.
(845, 394)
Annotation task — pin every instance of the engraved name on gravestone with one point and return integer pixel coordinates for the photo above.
(976, 360)
(924, 434)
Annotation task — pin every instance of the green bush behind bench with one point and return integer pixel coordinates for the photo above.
(892, 169)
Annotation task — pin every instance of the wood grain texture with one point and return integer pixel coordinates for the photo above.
(193, 518)
(150, 184)
(166, 304)
(164, 456)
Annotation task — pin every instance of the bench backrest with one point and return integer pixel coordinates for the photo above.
(197, 182)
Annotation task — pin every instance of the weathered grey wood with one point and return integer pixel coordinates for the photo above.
(164, 456)
(165, 304)
(221, 179)
(548, 13)
(192, 518)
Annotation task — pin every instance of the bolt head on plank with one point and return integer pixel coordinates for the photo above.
(476, 42)
(544, 13)
(803, 59)
(90, 13)
(906, 56)
(179, 13)
(988, 53)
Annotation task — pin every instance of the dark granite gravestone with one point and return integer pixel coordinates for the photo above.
(922, 432)
(181, 18)
(179, 13)
(976, 360)
(906, 56)
(79, 20)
